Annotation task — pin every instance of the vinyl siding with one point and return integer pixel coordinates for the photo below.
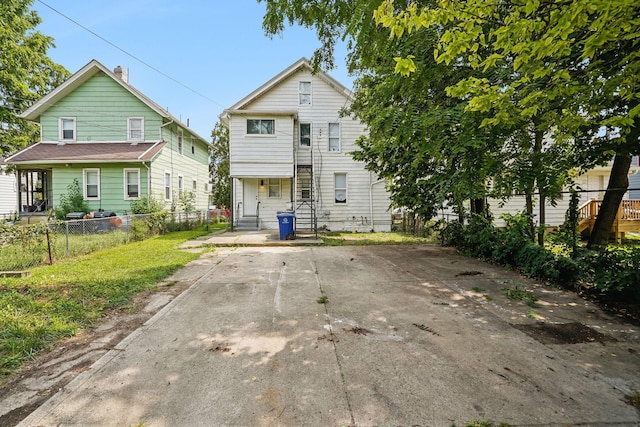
(324, 109)
(8, 194)
(101, 108)
(112, 192)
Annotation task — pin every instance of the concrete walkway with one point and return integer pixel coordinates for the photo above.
(359, 336)
(252, 238)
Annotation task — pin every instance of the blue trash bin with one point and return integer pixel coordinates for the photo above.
(286, 222)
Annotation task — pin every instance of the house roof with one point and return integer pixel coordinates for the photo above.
(87, 152)
(301, 64)
(94, 67)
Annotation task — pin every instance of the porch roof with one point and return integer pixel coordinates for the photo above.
(85, 152)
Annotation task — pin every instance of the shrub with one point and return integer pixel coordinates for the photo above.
(73, 201)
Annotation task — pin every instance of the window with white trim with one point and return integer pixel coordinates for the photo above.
(67, 128)
(180, 184)
(193, 145)
(305, 135)
(180, 139)
(167, 185)
(340, 187)
(304, 91)
(131, 184)
(194, 185)
(261, 127)
(91, 184)
(135, 129)
(334, 136)
(275, 188)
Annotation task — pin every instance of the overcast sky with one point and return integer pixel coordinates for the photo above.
(216, 48)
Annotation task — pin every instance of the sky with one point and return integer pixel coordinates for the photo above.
(216, 48)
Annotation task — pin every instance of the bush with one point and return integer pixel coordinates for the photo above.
(73, 201)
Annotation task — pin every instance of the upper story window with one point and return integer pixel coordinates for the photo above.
(180, 141)
(305, 134)
(261, 127)
(167, 185)
(193, 145)
(180, 185)
(304, 90)
(67, 129)
(91, 184)
(334, 136)
(135, 130)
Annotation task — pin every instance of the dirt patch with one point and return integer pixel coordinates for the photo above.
(51, 370)
(564, 333)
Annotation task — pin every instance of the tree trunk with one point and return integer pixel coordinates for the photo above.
(618, 184)
(529, 207)
(542, 219)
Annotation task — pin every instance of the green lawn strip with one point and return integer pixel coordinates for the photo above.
(57, 301)
(389, 238)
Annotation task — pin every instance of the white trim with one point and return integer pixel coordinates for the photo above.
(129, 137)
(180, 144)
(339, 150)
(302, 93)
(194, 184)
(165, 188)
(279, 196)
(180, 185)
(85, 183)
(126, 183)
(336, 189)
(61, 129)
(300, 135)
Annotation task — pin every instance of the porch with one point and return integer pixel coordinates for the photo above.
(34, 192)
(627, 217)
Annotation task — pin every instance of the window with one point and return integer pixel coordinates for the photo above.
(275, 188)
(136, 129)
(194, 185)
(91, 187)
(193, 145)
(305, 93)
(131, 184)
(167, 186)
(334, 136)
(260, 127)
(340, 185)
(305, 134)
(206, 187)
(180, 184)
(67, 129)
(180, 137)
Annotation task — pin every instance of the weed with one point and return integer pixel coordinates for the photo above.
(533, 315)
(488, 297)
(477, 289)
(323, 299)
(520, 295)
(634, 399)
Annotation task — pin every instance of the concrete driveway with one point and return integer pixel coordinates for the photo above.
(410, 335)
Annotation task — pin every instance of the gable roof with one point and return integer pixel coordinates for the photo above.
(87, 152)
(94, 67)
(301, 64)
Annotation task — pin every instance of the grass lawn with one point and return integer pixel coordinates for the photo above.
(336, 238)
(59, 300)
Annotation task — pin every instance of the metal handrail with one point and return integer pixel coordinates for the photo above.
(238, 213)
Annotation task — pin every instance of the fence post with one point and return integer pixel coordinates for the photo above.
(66, 234)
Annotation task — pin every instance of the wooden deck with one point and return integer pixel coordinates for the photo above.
(627, 218)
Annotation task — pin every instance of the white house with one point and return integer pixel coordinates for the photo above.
(8, 193)
(289, 151)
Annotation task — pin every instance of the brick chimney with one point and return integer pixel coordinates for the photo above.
(121, 73)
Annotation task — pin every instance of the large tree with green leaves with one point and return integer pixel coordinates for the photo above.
(575, 65)
(219, 166)
(26, 72)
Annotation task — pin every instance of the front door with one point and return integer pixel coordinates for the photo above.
(250, 196)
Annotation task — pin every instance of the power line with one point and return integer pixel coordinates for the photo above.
(131, 55)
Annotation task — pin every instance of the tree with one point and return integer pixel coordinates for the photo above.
(219, 166)
(576, 60)
(26, 73)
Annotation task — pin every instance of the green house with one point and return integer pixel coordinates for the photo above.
(118, 144)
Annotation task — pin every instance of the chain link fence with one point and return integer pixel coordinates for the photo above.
(26, 246)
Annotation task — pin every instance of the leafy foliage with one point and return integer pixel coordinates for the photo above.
(27, 73)
(72, 201)
(219, 166)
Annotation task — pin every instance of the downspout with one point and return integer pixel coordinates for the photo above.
(148, 183)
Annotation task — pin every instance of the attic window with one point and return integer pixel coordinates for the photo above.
(136, 128)
(67, 129)
(305, 93)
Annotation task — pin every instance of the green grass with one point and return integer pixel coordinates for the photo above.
(518, 294)
(58, 301)
(335, 238)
